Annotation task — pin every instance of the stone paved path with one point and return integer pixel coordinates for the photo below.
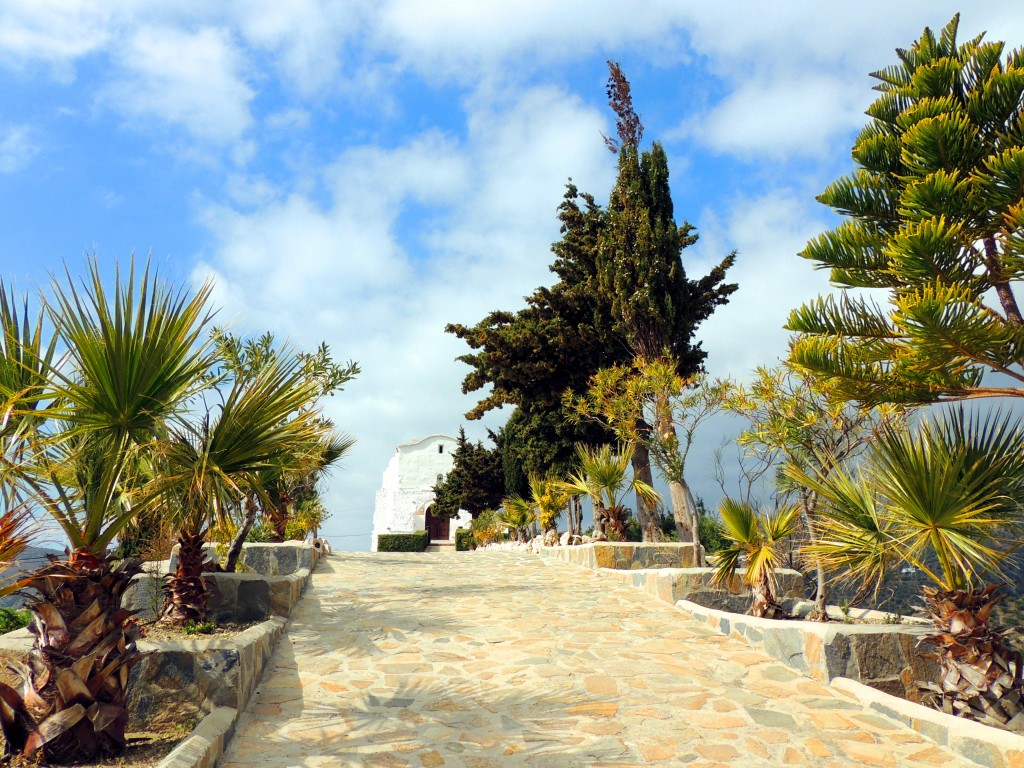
(498, 659)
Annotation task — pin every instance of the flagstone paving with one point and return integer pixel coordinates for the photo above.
(485, 659)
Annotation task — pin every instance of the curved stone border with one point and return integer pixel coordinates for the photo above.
(206, 744)
(883, 656)
(981, 744)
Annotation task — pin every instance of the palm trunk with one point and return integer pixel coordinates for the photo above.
(235, 550)
(645, 512)
(684, 510)
(186, 594)
(71, 703)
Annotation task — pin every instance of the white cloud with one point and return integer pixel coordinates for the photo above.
(55, 32)
(413, 237)
(192, 79)
(768, 232)
(17, 148)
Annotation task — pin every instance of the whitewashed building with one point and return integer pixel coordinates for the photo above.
(407, 490)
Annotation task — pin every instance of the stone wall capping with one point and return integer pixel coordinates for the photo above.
(205, 745)
(981, 744)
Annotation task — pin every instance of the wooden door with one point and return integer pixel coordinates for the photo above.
(438, 528)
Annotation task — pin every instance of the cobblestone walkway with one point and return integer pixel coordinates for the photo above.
(498, 659)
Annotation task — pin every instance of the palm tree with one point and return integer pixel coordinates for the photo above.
(516, 516)
(14, 532)
(945, 498)
(604, 477)
(758, 538)
(211, 465)
(133, 359)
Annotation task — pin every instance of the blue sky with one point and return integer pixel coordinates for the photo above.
(365, 172)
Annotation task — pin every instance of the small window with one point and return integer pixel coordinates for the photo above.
(440, 449)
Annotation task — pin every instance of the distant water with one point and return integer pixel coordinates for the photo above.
(31, 559)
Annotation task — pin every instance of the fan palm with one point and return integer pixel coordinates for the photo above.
(133, 359)
(758, 538)
(209, 466)
(604, 476)
(945, 498)
(516, 516)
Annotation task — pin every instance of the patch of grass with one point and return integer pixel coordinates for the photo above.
(200, 627)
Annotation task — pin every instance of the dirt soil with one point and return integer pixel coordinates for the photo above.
(220, 631)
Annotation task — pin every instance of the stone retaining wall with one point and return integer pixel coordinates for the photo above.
(625, 555)
(234, 597)
(883, 656)
(184, 678)
(267, 559)
(697, 585)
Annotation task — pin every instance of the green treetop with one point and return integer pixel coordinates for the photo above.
(934, 216)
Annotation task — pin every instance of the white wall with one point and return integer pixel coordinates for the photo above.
(407, 486)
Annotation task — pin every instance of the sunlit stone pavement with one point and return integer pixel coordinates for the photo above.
(486, 659)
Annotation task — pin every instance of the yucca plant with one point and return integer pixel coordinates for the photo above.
(211, 465)
(946, 498)
(604, 477)
(133, 358)
(759, 541)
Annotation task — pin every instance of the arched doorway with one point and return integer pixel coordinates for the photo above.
(439, 528)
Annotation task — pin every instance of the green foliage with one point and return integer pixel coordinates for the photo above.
(476, 481)
(295, 530)
(934, 214)
(199, 627)
(403, 542)
(759, 539)
(944, 497)
(12, 619)
(487, 528)
(655, 307)
(464, 540)
(711, 537)
(260, 533)
(516, 516)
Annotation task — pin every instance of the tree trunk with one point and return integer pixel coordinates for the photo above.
(71, 706)
(820, 612)
(691, 507)
(235, 550)
(185, 594)
(646, 513)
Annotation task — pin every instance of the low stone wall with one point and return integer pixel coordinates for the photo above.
(267, 559)
(697, 585)
(625, 555)
(882, 656)
(186, 677)
(234, 597)
(981, 744)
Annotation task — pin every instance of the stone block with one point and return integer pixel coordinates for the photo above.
(879, 656)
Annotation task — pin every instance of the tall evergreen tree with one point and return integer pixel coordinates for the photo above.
(935, 215)
(655, 308)
(476, 481)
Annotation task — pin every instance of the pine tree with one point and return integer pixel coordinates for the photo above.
(934, 216)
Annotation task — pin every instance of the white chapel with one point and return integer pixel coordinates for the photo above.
(407, 490)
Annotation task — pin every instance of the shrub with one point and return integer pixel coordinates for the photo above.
(403, 542)
(261, 533)
(295, 530)
(487, 528)
(464, 540)
(12, 619)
